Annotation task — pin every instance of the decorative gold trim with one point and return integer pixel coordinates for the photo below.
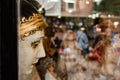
(31, 25)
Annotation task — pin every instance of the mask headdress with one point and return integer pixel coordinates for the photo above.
(31, 20)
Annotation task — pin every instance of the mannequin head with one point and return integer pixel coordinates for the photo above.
(31, 35)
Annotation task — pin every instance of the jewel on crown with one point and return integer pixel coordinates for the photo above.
(31, 18)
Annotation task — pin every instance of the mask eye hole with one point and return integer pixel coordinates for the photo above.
(35, 44)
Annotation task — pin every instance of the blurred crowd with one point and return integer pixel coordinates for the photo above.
(72, 55)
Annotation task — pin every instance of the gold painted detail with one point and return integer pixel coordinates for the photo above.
(31, 25)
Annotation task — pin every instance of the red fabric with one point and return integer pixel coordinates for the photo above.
(96, 54)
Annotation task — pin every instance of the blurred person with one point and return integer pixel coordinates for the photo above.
(103, 51)
(117, 69)
(104, 33)
(57, 38)
(82, 40)
(56, 42)
(116, 47)
(96, 29)
(106, 53)
(51, 73)
(70, 56)
(31, 36)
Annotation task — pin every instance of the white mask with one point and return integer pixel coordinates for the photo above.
(29, 53)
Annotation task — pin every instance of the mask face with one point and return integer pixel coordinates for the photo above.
(30, 50)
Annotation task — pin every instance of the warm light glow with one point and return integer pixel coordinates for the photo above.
(97, 14)
(109, 15)
(116, 24)
(89, 16)
(93, 16)
(70, 11)
(82, 29)
(59, 16)
(98, 29)
(87, 2)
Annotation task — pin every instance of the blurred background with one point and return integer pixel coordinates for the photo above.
(80, 12)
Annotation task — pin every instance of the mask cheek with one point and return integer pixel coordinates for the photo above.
(41, 51)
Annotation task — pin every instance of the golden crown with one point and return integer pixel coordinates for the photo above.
(31, 25)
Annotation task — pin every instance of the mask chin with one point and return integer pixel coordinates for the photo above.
(28, 71)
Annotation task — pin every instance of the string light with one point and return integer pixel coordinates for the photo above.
(87, 2)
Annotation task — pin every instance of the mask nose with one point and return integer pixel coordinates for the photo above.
(41, 51)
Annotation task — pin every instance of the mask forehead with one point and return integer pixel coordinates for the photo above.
(34, 37)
